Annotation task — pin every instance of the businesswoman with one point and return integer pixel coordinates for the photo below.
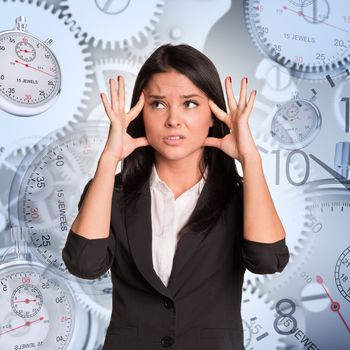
(178, 225)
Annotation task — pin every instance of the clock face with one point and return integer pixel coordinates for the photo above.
(296, 124)
(48, 203)
(37, 311)
(310, 38)
(29, 72)
(342, 274)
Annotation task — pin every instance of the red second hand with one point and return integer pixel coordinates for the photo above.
(300, 13)
(24, 301)
(28, 323)
(335, 306)
(28, 66)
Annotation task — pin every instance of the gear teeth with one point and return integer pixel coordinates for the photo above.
(263, 313)
(120, 64)
(144, 24)
(300, 76)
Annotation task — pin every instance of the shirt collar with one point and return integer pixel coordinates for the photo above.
(156, 181)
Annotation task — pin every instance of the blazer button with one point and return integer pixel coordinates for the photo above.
(167, 341)
(168, 303)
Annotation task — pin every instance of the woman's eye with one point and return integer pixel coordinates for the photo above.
(191, 104)
(157, 105)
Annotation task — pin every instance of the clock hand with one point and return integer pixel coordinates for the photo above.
(24, 301)
(39, 70)
(27, 323)
(26, 51)
(341, 179)
(300, 13)
(335, 306)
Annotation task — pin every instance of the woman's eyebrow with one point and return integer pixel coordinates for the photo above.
(191, 95)
(157, 97)
(183, 96)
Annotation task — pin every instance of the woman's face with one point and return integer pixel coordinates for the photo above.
(175, 106)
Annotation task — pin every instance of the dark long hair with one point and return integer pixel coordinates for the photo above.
(223, 179)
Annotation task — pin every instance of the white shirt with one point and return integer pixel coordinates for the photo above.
(168, 218)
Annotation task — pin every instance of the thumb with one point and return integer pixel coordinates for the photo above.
(212, 142)
(141, 141)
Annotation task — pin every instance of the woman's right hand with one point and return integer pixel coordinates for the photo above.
(119, 143)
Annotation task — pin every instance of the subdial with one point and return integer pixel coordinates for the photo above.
(26, 300)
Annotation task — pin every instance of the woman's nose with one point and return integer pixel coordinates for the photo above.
(173, 118)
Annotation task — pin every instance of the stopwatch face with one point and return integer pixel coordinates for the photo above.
(342, 273)
(36, 310)
(329, 210)
(310, 38)
(296, 124)
(30, 77)
(50, 188)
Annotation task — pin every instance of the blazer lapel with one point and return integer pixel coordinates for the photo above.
(138, 220)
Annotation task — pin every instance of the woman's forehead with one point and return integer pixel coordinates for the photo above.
(171, 82)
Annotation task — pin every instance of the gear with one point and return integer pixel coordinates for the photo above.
(10, 159)
(74, 66)
(258, 319)
(116, 17)
(104, 70)
(141, 50)
(95, 295)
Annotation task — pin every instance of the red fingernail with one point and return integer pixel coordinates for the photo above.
(246, 80)
(118, 77)
(254, 92)
(230, 79)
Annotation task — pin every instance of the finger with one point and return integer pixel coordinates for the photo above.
(141, 141)
(113, 90)
(243, 94)
(135, 111)
(231, 100)
(222, 115)
(212, 142)
(249, 106)
(106, 105)
(121, 93)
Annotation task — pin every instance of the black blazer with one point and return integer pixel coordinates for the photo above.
(200, 308)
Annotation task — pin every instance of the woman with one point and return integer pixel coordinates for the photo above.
(178, 226)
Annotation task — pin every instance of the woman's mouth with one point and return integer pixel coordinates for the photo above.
(173, 140)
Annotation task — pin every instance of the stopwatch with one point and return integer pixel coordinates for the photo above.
(36, 310)
(44, 197)
(321, 286)
(39, 309)
(309, 38)
(30, 75)
(296, 123)
(46, 189)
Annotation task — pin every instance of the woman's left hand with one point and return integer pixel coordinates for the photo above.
(239, 143)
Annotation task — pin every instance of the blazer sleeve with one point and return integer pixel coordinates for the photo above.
(263, 258)
(88, 258)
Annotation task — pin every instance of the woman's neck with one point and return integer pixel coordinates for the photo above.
(179, 176)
